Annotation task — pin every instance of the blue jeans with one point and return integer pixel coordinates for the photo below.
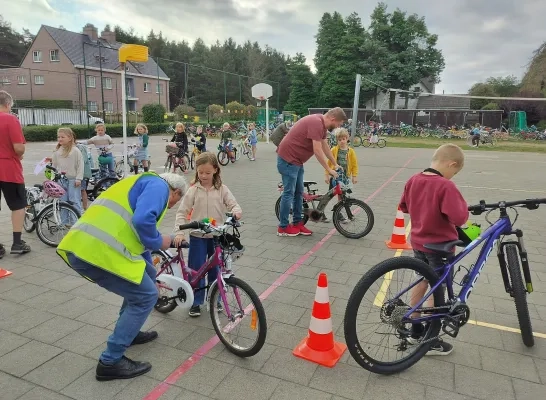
(200, 250)
(138, 303)
(74, 196)
(108, 170)
(292, 195)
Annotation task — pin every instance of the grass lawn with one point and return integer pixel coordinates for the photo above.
(530, 146)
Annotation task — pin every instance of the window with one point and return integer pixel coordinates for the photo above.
(146, 86)
(38, 79)
(22, 80)
(107, 83)
(91, 82)
(108, 106)
(92, 106)
(5, 81)
(54, 55)
(37, 56)
(158, 88)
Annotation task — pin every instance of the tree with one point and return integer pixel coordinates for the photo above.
(506, 86)
(303, 93)
(409, 51)
(481, 89)
(13, 45)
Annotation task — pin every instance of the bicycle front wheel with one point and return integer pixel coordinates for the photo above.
(192, 160)
(163, 305)
(54, 222)
(238, 151)
(244, 333)
(168, 164)
(28, 225)
(223, 158)
(376, 333)
(381, 143)
(353, 218)
(357, 140)
(520, 295)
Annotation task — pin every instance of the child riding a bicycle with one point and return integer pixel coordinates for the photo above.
(225, 140)
(436, 208)
(180, 138)
(206, 198)
(200, 139)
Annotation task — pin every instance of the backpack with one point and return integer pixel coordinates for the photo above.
(86, 160)
(278, 134)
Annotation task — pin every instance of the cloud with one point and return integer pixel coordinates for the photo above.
(479, 38)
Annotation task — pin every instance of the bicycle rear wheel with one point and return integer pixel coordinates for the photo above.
(164, 306)
(519, 294)
(386, 308)
(381, 143)
(245, 315)
(357, 140)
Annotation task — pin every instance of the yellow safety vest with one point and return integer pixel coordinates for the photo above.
(105, 236)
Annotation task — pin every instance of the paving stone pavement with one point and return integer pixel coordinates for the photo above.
(54, 324)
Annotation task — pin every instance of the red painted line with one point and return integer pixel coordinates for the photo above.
(160, 389)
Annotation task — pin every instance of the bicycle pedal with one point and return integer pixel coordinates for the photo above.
(450, 328)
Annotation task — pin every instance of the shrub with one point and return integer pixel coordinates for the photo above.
(45, 103)
(215, 112)
(183, 113)
(153, 113)
(45, 133)
(491, 106)
(235, 110)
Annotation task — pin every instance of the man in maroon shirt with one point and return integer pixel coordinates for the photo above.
(436, 208)
(12, 183)
(307, 137)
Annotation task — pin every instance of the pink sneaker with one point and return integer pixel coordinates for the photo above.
(288, 231)
(303, 230)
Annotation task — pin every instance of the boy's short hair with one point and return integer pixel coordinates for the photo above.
(449, 152)
(341, 133)
(100, 124)
(180, 124)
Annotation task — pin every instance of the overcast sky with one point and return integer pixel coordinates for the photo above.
(479, 38)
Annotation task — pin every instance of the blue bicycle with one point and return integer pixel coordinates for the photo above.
(389, 346)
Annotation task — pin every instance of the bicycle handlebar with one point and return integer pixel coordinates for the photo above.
(531, 204)
(207, 227)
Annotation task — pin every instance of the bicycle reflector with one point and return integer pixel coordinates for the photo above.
(469, 232)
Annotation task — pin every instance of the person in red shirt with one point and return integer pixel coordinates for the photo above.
(306, 138)
(12, 183)
(436, 208)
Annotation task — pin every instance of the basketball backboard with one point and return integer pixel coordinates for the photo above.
(262, 91)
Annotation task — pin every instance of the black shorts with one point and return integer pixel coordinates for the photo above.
(15, 195)
(435, 260)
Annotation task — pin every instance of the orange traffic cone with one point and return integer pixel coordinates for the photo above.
(319, 345)
(4, 273)
(398, 237)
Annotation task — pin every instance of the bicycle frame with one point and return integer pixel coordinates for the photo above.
(193, 277)
(491, 236)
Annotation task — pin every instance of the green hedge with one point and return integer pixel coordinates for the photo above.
(44, 103)
(48, 133)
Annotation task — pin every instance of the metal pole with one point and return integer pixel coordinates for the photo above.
(186, 75)
(86, 95)
(267, 120)
(158, 88)
(278, 96)
(124, 119)
(101, 84)
(225, 91)
(355, 107)
(31, 95)
(240, 91)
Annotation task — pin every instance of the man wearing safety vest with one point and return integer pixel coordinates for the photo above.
(110, 245)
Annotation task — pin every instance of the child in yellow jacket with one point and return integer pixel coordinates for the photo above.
(345, 157)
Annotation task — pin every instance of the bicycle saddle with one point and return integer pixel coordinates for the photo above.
(444, 248)
(41, 187)
(308, 183)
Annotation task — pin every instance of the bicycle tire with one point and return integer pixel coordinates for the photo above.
(223, 158)
(192, 160)
(349, 324)
(357, 141)
(184, 163)
(171, 305)
(338, 222)
(258, 306)
(28, 225)
(520, 295)
(249, 152)
(101, 186)
(44, 212)
(305, 207)
(168, 164)
(381, 143)
(238, 150)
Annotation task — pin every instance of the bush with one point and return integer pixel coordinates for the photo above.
(48, 133)
(215, 112)
(153, 113)
(491, 106)
(45, 103)
(183, 112)
(235, 110)
(541, 125)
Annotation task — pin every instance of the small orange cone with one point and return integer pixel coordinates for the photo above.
(398, 237)
(4, 273)
(319, 345)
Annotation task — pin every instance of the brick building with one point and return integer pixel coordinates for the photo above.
(64, 65)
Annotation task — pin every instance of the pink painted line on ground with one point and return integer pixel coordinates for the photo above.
(160, 389)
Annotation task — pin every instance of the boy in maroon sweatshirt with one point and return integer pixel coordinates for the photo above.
(436, 208)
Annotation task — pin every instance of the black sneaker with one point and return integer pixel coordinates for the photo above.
(123, 369)
(195, 311)
(144, 337)
(440, 348)
(20, 248)
(2, 251)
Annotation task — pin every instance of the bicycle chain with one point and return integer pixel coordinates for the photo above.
(432, 339)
